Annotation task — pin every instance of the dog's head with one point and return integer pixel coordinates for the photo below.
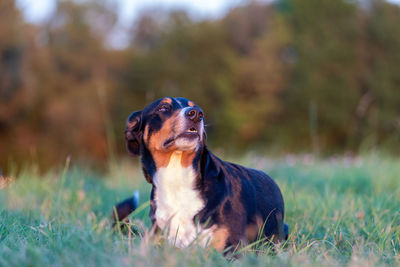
(166, 125)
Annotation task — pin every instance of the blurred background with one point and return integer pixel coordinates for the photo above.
(273, 77)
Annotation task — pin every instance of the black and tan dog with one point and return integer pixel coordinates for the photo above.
(196, 195)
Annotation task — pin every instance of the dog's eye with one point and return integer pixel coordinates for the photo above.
(163, 108)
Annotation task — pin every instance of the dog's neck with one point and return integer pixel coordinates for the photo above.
(177, 200)
(152, 161)
(172, 168)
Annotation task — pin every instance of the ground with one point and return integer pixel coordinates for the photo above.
(341, 211)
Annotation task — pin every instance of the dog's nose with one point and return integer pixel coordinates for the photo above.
(194, 114)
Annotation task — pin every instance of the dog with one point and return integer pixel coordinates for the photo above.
(195, 195)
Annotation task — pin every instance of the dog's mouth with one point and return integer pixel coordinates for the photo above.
(191, 134)
(192, 130)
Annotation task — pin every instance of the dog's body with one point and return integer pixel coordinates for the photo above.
(196, 195)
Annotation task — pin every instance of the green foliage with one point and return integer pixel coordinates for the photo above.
(190, 60)
(326, 37)
(285, 76)
(383, 79)
(340, 211)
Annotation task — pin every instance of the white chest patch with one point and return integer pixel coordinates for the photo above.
(177, 202)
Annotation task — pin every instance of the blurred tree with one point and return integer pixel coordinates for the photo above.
(382, 80)
(12, 93)
(187, 59)
(10, 49)
(291, 74)
(323, 91)
(76, 77)
(260, 78)
(66, 74)
(247, 23)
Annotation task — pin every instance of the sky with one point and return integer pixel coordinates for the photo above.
(36, 11)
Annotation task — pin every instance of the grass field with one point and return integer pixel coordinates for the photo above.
(341, 211)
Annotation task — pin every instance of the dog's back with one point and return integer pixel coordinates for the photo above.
(249, 198)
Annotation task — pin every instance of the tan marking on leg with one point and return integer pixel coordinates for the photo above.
(219, 238)
(155, 235)
(252, 232)
(253, 229)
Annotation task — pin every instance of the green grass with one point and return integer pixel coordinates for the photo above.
(340, 212)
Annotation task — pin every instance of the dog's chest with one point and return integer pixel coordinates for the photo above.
(177, 202)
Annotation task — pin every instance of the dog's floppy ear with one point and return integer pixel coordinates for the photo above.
(134, 133)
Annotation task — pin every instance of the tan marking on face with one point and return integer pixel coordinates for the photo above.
(191, 104)
(219, 239)
(155, 141)
(167, 100)
(146, 134)
(161, 158)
